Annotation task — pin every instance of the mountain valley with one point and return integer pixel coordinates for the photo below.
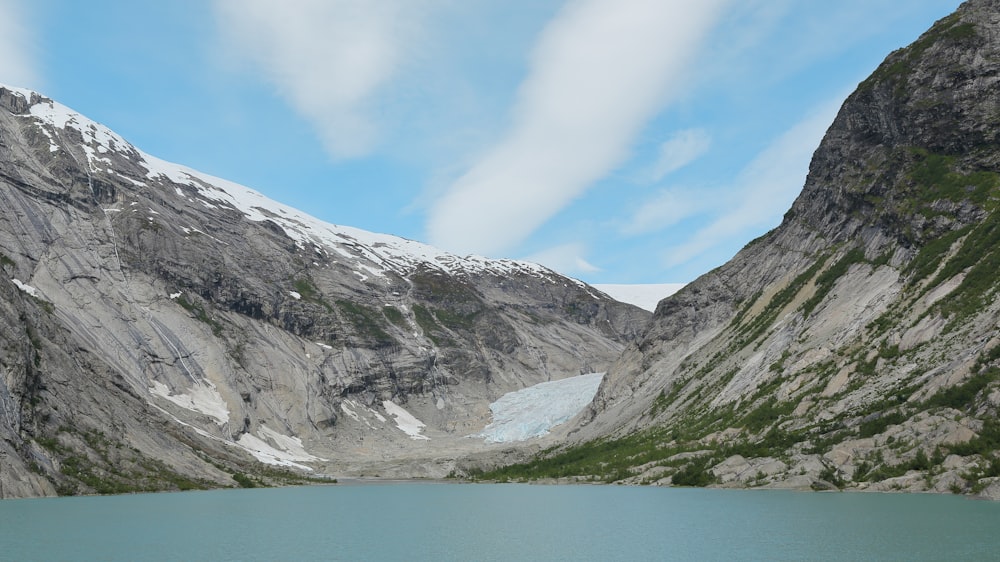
(164, 329)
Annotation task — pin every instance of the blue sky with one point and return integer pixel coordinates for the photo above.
(618, 141)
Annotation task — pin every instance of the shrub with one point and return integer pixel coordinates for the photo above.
(695, 474)
(244, 481)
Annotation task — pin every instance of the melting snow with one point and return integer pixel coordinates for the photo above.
(288, 451)
(204, 399)
(350, 413)
(533, 411)
(347, 406)
(27, 288)
(260, 449)
(58, 115)
(405, 420)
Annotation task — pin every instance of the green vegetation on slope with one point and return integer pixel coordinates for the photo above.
(948, 29)
(368, 323)
(756, 327)
(104, 466)
(829, 277)
(198, 311)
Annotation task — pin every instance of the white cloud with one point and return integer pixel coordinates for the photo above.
(327, 57)
(600, 70)
(680, 150)
(17, 66)
(765, 188)
(566, 259)
(668, 208)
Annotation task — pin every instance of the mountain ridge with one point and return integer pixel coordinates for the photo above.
(400, 253)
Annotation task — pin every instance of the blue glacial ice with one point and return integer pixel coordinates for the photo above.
(533, 411)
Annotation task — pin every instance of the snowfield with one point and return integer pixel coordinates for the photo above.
(644, 296)
(405, 421)
(287, 452)
(203, 398)
(531, 412)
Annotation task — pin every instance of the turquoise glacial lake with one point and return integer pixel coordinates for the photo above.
(433, 521)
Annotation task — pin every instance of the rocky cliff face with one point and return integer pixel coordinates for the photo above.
(856, 344)
(163, 328)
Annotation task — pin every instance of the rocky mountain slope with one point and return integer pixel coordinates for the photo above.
(165, 329)
(857, 344)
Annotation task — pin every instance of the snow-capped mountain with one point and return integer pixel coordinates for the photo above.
(166, 326)
(375, 253)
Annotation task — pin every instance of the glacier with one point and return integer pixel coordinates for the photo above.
(645, 296)
(531, 412)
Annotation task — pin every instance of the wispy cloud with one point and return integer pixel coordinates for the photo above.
(17, 64)
(600, 70)
(764, 189)
(669, 207)
(682, 148)
(328, 58)
(567, 259)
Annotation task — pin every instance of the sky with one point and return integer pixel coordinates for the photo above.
(616, 141)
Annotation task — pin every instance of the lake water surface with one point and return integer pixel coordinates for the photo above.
(431, 521)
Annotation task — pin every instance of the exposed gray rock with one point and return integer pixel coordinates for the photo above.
(739, 470)
(991, 491)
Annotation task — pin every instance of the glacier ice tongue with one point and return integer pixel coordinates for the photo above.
(533, 411)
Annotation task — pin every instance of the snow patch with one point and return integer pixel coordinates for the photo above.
(350, 413)
(27, 288)
(531, 412)
(175, 296)
(372, 270)
(351, 408)
(405, 421)
(295, 295)
(53, 146)
(203, 398)
(285, 451)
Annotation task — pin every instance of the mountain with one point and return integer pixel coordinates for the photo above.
(165, 329)
(857, 344)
